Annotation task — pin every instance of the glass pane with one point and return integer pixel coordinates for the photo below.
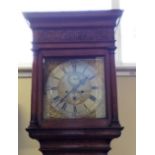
(74, 88)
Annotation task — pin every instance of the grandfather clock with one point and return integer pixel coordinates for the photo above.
(74, 98)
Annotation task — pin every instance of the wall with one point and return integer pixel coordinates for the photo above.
(125, 145)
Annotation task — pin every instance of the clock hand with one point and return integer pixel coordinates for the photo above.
(78, 85)
(73, 89)
(82, 82)
(62, 99)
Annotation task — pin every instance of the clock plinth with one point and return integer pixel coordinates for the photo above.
(74, 97)
(75, 142)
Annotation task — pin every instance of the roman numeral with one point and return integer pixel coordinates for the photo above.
(64, 70)
(74, 109)
(94, 87)
(64, 106)
(93, 98)
(84, 69)
(54, 88)
(74, 66)
(56, 98)
(86, 107)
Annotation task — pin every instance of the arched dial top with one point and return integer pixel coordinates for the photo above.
(74, 88)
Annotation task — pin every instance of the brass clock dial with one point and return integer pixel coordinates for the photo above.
(74, 88)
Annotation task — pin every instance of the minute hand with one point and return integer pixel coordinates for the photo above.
(80, 83)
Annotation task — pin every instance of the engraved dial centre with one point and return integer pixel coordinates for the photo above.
(77, 87)
(74, 79)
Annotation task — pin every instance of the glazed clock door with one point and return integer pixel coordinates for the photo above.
(74, 88)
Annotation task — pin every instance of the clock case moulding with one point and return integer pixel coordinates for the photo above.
(74, 34)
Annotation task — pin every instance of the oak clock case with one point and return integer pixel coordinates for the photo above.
(74, 95)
